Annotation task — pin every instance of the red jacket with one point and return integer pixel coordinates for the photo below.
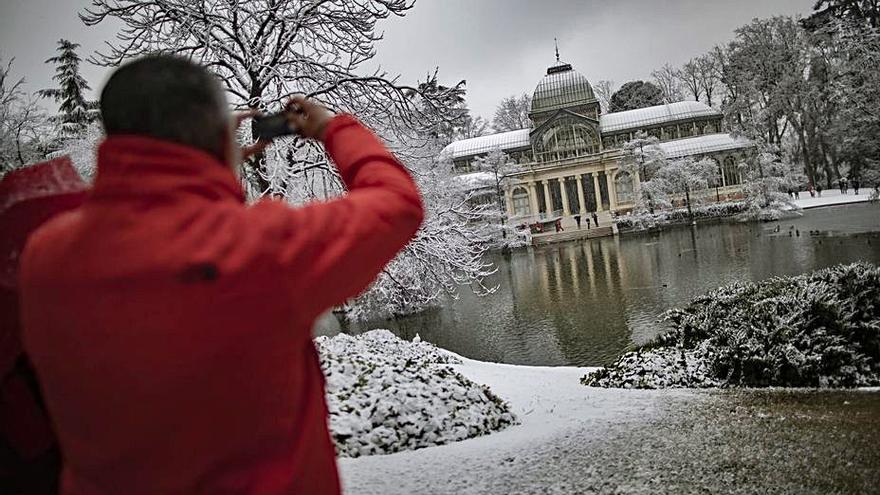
(170, 324)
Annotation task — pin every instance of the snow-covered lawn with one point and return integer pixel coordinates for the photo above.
(552, 407)
(831, 198)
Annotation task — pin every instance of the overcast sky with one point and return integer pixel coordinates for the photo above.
(500, 47)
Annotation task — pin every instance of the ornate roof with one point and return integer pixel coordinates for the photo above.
(643, 117)
(483, 144)
(562, 87)
(699, 145)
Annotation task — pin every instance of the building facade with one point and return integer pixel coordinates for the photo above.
(567, 163)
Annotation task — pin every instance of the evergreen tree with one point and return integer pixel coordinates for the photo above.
(636, 94)
(76, 111)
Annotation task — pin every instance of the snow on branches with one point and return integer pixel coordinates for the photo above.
(76, 111)
(768, 179)
(264, 51)
(24, 129)
(386, 395)
(447, 252)
(662, 180)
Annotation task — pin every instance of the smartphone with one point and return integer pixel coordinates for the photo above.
(273, 125)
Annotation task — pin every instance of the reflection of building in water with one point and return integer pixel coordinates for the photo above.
(567, 162)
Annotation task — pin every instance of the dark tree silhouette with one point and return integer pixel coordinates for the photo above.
(635, 94)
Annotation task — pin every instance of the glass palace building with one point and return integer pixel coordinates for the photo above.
(567, 162)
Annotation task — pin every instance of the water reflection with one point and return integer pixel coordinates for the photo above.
(583, 303)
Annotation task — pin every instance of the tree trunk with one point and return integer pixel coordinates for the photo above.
(257, 163)
(687, 199)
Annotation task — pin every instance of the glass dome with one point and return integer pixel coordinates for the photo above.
(562, 87)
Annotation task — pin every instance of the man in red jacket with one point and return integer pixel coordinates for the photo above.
(169, 322)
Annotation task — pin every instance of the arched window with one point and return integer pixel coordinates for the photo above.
(567, 138)
(623, 186)
(731, 172)
(521, 205)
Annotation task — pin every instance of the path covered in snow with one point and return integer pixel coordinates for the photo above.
(832, 197)
(553, 408)
(579, 440)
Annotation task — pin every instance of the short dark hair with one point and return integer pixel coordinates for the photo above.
(167, 97)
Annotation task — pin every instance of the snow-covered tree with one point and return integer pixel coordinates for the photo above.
(472, 127)
(76, 111)
(865, 12)
(643, 156)
(708, 76)
(683, 176)
(447, 252)
(635, 94)
(765, 189)
(512, 113)
(855, 89)
(497, 165)
(603, 90)
(83, 150)
(689, 75)
(266, 50)
(24, 128)
(666, 78)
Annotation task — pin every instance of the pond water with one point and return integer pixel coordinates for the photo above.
(584, 303)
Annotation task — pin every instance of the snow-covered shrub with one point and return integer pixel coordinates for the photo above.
(662, 367)
(388, 395)
(645, 221)
(816, 330)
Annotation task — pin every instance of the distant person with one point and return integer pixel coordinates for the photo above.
(819, 189)
(797, 194)
(856, 183)
(587, 219)
(170, 323)
(595, 219)
(558, 225)
(577, 218)
(842, 183)
(790, 193)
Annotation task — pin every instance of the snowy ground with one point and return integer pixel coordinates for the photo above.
(583, 440)
(554, 409)
(832, 197)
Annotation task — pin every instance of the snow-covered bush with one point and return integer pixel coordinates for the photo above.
(645, 221)
(387, 395)
(816, 330)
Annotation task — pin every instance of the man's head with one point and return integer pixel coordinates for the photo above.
(169, 98)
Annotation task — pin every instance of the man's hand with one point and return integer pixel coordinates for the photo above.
(252, 149)
(308, 117)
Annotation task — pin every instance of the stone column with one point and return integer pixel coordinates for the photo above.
(582, 205)
(612, 193)
(533, 199)
(508, 203)
(564, 195)
(597, 191)
(548, 204)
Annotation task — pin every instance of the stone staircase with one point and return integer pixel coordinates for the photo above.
(572, 234)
